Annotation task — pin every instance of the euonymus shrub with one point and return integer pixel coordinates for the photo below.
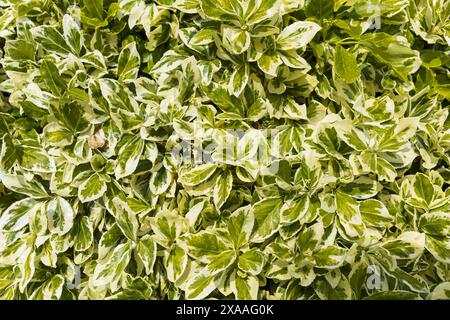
(229, 149)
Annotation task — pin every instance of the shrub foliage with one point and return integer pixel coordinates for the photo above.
(229, 149)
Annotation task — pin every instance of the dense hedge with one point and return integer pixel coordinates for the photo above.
(230, 149)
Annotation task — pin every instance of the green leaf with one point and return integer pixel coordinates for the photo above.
(329, 257)
(260, 10)
(109, 272)
(222, 189)
(72, 117)
(20, 49)
(385, 170)
(441, 292)
(240, 225)
(294, 210)
(176, 263)
(37, 160)
(207, 70)
(129, 155)
(9, 153)
(295, 111)
(146, 251)
(258, 109)
(245, 288)
(22, 185)
(374, 213)
(396, 53)
(239, 80)
(205, 246)
(203, 37)
(50, 290)
(267, 218)
(51, 40)
(252, 261)
(235, 40)
(200, 286)
(320, 9)
(16, 216)
(310, 238)
(423, 188)
(27, 269)
(198, 174)
(361, 188)
(57, 135)
(326, 292)
(350, 219)
(297, 35)
(416, 284)
(129, 62)
(357, 278)
(269, 63)
(439, 247)
(60, 216)
(92, 189)
(168, 227)
(435, 223)
(346, 66)
(170, 61)
(160, 181)
(85, 236)
(126, 219)
(52, 78)
(109, 240)
(222, 10)
(221, 262)
(72, 34)
(226, 102)
(92, 13)
(409, 245)
(292, 59)
(394, 139)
